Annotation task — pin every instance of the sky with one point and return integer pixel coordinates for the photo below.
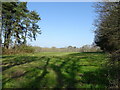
(64, 23)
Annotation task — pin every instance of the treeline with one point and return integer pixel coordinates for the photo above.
(85, 48)
(108, 26)
(36, 49)
(18, 24)
(107, 37)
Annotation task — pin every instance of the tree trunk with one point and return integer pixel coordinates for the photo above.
(7, 38)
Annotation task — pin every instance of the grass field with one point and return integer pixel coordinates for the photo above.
(54, 70)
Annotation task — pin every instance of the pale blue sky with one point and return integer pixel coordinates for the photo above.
(64, 23)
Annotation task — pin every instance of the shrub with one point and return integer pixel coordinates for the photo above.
(115, 56)
(114, 70)
(26, 49)
(19, 49)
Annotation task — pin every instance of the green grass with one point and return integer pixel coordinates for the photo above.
(54, 70)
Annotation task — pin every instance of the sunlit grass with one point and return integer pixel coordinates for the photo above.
(54, 69)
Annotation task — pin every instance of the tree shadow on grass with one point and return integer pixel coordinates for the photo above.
(98, 77)
(4, 57)
(37, 82)
(71, 67)
(85, 53)
(19, 61)
(18, 74)
(71, 70)
(4, 81)
(58, 72)
(93, 52)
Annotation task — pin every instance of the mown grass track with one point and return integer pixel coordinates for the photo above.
(55, 70)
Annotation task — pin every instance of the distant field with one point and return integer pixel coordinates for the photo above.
(54, 70)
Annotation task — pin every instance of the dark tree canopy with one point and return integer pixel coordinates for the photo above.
(107, 33)
(18, 23)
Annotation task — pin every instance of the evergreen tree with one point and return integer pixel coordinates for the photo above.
(18, 23)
